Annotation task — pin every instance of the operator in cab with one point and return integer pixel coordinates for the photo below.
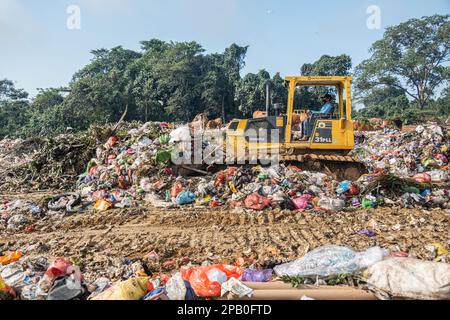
(326, 110)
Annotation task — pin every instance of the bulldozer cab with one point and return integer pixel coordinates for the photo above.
(333, 130)
(329, 133)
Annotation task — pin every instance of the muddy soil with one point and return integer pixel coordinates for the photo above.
(99, 242)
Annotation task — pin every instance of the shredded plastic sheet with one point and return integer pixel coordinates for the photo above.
(330, 260)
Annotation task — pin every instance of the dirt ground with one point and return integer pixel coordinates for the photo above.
(100, 241)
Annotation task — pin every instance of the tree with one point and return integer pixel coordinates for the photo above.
(13, 109)
(47, 98)
(412, 57)
(251, 92)
(9, 92)
(99, 91)
(328, 66)
(387, 103)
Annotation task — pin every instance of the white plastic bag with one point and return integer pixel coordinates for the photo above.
(411, 278)
(330, 260)
(331, 204)
(175, 288)
(180, 134)
(438, 176)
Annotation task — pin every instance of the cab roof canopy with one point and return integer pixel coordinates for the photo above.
(318, 80)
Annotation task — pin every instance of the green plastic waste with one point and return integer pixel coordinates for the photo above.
(162, 156)
(367, 203)
(263, 176)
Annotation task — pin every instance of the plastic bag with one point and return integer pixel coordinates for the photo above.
(175, 288)
(256, 202)
(438, 176)
(331, 204)
(180, 134)
(202, 284)
(185, 197)
(10, 257)
(131, 289)
(411, 278)
(177, 187)
(102, 205)
(302, 202)
(254, 275)
(330, 260)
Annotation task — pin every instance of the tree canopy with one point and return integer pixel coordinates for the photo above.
(411, 57)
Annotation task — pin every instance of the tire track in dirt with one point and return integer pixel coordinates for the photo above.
(99, 240)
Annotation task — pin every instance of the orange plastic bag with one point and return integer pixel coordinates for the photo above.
(10, 257)
(176, 189)
(202, 284)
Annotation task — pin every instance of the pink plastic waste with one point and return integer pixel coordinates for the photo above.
(302, 202)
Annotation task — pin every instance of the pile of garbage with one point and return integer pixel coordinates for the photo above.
(132, 167)
(387, 275)
(406, 170)
(51, 163)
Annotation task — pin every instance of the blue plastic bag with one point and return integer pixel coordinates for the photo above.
(344, 186)
(185, 197)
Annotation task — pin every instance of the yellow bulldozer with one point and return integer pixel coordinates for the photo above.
(267, 137)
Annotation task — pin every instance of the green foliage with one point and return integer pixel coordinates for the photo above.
(295, 281)
(174, 81)
(411, 57)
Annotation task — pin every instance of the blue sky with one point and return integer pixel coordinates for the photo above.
(39, 51)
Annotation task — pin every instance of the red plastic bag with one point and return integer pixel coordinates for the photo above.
(202, 285)
(57, 268)
(256, 202)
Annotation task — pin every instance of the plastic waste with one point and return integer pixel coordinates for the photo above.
(255, 275)
(344, 186)
(236, 287)
(177, 187)
(216, 275)
(367, 232)
(175, 287)
(131, 289)
(66, 288)
(10, 257)
(185, 197)
(200, 282)
(180, 134)
(330, 204)
(102, 205)
(302, 202)
(422, 178)
(410, 278)
(330, 260)
(256, 202)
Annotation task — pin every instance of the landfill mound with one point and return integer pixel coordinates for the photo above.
(110, 226)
